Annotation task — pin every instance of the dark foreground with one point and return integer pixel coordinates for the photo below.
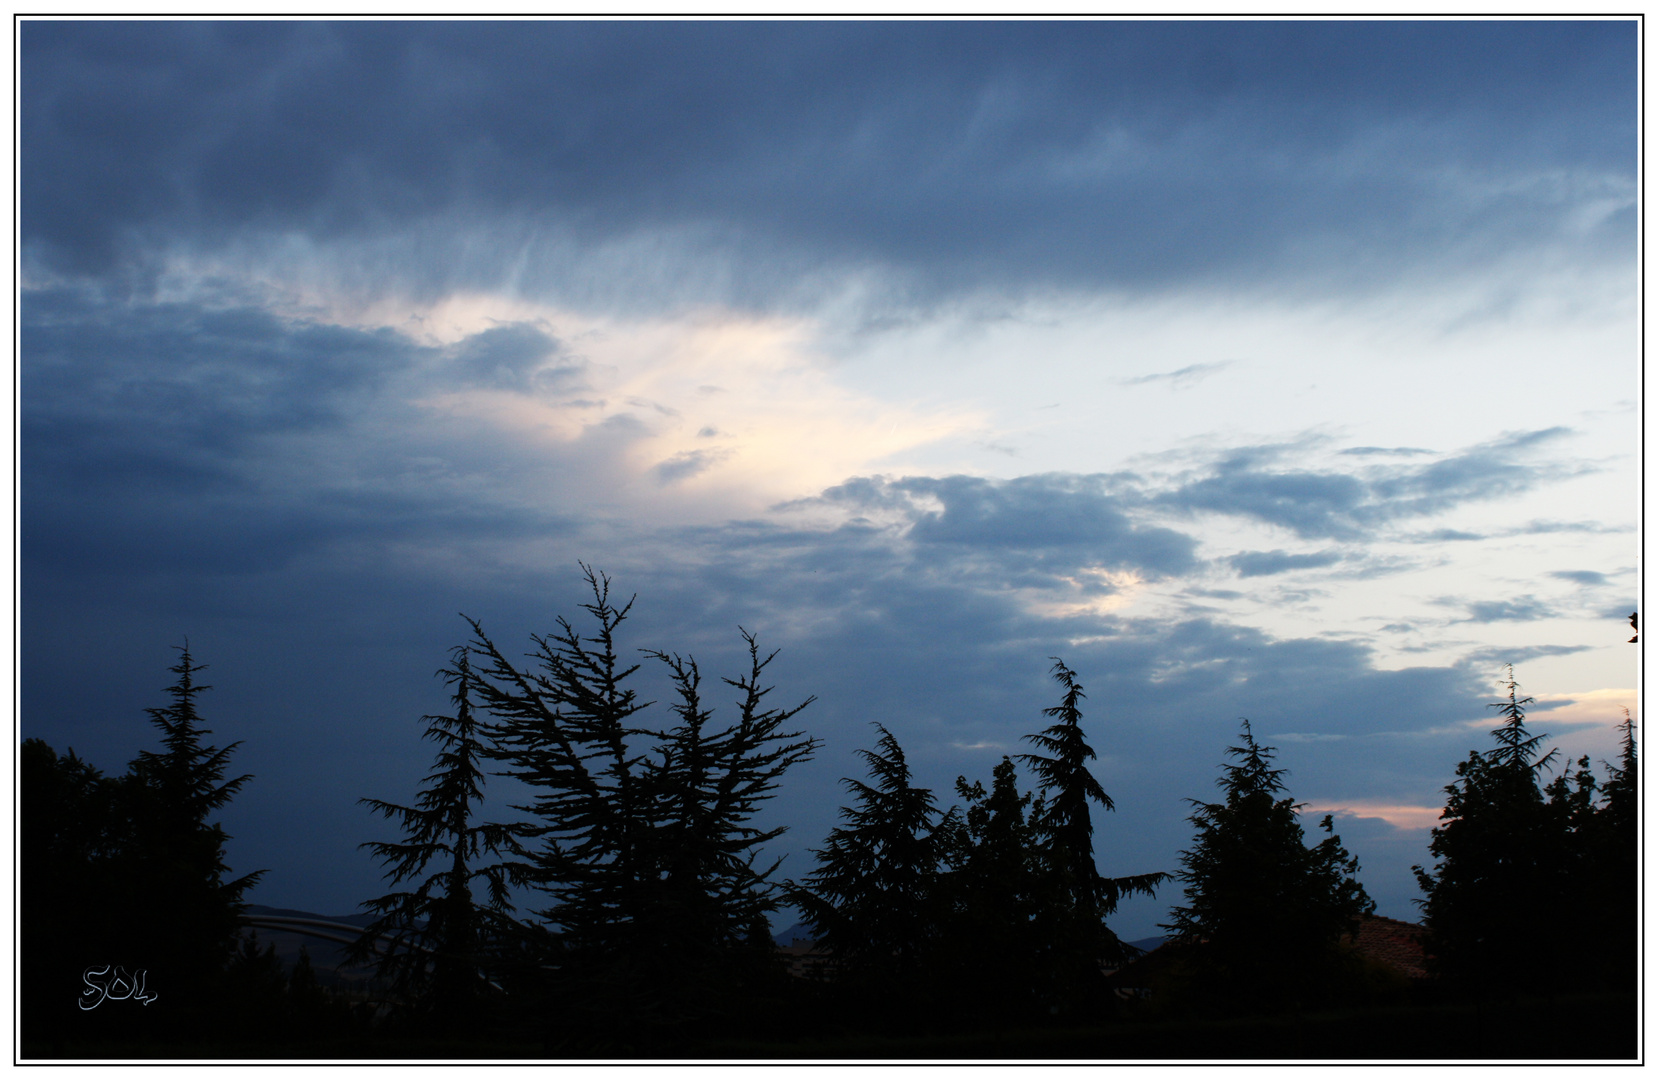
(1601, 1027)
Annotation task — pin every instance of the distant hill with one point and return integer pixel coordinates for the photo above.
(327, 957)
(786, 937)
(295, 913)
(801, 930)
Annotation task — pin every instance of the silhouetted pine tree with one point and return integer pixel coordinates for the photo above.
(638, 903)
(1078, 898)
(711, 921)
(873, 901)
(1264, 912)
(1613, 847)
(184, 914)
(129, 872)
(987, 960)
(1504, 857)
(1622, 809)
(445, 941)
(74, 834)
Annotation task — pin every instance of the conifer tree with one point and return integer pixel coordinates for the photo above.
(873, 901)
(1264, 913)
(1613, 853)
(1080, 897)
(182, 908)
(993, 900)
(74, 835)
(1503, 856)
(638, 903)
(710, 784)
(443, 939)
(129, 871)
(991, 850)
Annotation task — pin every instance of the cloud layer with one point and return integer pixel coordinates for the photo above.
(777, 158)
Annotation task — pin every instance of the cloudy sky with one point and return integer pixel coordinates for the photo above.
(1274, 370)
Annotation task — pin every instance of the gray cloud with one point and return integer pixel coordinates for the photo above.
(686, 464)
(1520, 654)
(1580, 577)
(514, 356)
(1520, 609)
(1351, 505)
(1263, 563)
(1544, 528)
(1059, 521)
(1482, 472)
(1309, 504)
(1440, 536)
(162, 437)
(180, 398)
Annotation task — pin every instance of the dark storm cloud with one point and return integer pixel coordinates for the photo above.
(205, 381)
(1263, 563)
(1060, 521)
(1245, 482)
(961, 155)
(165, 437)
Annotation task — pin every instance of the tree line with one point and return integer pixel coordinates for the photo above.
(649, 896)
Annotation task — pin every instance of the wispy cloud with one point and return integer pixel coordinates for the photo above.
(1180, 379)
(688, 463)
(1262, 563)
(1520, 609)
(1519, 654)
(1343, 505)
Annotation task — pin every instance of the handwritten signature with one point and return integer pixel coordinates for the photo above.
(119, 987)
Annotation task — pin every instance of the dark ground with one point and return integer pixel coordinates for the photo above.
(1547, 1029)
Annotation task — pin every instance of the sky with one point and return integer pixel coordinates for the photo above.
(1276, 370)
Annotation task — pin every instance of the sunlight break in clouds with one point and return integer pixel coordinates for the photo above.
(726, 413)
(1398, 816)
